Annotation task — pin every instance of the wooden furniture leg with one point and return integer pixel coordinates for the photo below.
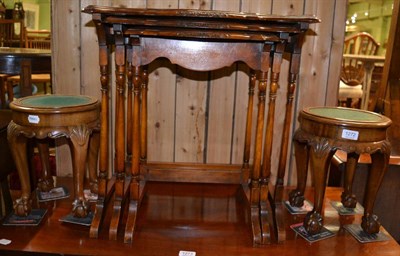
(119, 136)
(17, 142)
(321, 154)
(249, 120)
(296, 196)
(93, 156)
(143, 115)
(380, 162)
(79, 137)
(134, 189)
(46, 182)
(348, 198)
(104, 146)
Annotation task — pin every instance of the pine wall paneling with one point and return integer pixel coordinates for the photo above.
(200, 116)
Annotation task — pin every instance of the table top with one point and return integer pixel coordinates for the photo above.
(14, 51)
(11, 59)
(194, 13)
(348, 115)
(374, 58)
(207, 218)
(199, 24)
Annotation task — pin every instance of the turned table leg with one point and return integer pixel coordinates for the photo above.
(93, 154)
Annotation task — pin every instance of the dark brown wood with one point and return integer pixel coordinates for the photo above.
(205, 218)
(75, 122)
(322, 135)
(24, 62)
(201, 41)
(386, 199)
(12, 32)
(7, 165)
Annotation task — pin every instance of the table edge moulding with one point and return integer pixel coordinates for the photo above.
(139, 36)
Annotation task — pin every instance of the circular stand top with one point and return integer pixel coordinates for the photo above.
(54, 101)
(345, 116)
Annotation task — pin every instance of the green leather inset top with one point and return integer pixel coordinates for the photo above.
(55, 101)
(346, 114)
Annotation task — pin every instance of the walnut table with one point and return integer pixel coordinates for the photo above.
(202, 41)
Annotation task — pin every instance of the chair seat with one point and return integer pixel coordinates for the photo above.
(350, 91)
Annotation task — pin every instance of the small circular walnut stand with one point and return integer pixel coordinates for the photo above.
(322, 131)
(52, 116)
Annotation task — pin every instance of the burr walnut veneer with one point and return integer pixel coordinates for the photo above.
(201, 41)
(322, 131)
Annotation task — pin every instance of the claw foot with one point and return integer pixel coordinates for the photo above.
(80, 209)
(45, 185)
(22, 207)
(370, 224)
(349, 201)
(296, 198)
(313, 222)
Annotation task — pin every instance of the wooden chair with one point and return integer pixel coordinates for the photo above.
(322, 131)
(352, 72)
(54, 116)
(12, 33)
(35, 40)
(38, 39)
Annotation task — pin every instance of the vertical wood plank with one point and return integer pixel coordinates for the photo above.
(221, 104)
(335, 60)
(65, 66)
(66, 47)
(161, 102)
(191, 98)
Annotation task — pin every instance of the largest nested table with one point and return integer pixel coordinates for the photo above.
(202, 41)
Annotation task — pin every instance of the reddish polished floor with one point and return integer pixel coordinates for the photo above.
(206, 218)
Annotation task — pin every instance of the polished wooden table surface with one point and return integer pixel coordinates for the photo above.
(206, 218)
(24, 62)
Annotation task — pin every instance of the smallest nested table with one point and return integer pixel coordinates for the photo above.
(322, 131)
